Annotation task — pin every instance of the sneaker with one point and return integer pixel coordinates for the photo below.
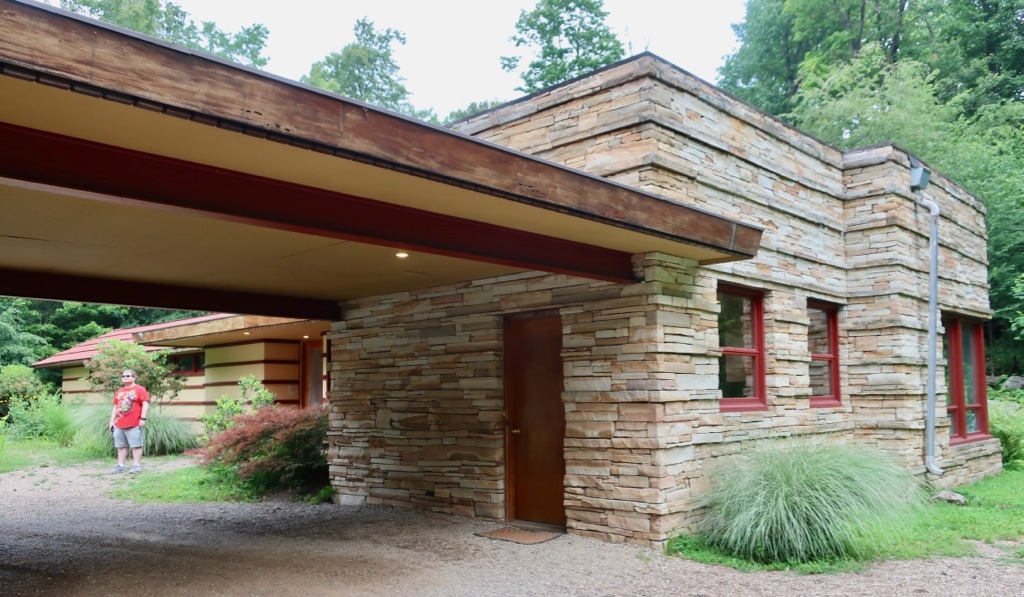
(118, 469)
(135, 469)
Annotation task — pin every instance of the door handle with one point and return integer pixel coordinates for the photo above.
(516, 431)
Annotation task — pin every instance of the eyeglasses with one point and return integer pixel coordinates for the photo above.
(126, 375)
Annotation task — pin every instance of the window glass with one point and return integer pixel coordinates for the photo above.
(734, 322)
(818, 331)
(966, 405)
(741, 375)
(823, 346)
(736, 376)
(821, 378)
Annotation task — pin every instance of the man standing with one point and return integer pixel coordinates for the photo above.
(131, 402)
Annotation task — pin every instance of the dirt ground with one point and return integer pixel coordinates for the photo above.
(61, 534)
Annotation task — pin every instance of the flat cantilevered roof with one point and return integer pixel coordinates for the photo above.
(137, 172)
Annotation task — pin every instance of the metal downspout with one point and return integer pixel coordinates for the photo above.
(919, 180)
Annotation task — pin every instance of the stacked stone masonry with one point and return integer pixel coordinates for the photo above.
(416, 378)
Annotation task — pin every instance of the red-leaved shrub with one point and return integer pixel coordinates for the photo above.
(274, 448)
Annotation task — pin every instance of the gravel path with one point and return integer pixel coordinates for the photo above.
(61, 535)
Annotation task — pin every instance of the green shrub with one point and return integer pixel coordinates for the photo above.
(253, 397)
(1006, 395)
(273, 448)
(18, 381)
(43, 416)
(1006, 421)
(806, 500)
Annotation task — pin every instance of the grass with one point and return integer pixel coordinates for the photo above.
(806, 500)
(17, 455)
(994, 513)
(190, 484)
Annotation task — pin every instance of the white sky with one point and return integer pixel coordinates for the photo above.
(453, 47)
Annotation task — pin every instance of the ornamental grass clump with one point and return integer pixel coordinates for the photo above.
(807, 500)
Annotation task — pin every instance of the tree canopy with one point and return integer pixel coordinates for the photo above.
(170, 22)
(942, 78)
(366, 70)
(569, 38)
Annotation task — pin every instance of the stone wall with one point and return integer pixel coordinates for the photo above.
(843, 228)
(416, 377)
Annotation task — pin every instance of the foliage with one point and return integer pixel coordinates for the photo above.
(274, 448)
(471, 110)
(805, 500)
(170, 22)
(40, 417)
(1006, 421)
(253, 396)
(764, 69)
(152, 370)
(869, 100)
(366, 70)
(569, 38)
(18, 381)
(1018, 318)
(18, 346)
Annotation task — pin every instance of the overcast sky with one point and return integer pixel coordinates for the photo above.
(451, 56)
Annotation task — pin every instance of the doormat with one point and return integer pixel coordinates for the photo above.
(519, 535)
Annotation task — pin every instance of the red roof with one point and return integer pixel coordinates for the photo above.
(81, 353)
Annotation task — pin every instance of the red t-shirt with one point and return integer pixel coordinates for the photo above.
(129, 405)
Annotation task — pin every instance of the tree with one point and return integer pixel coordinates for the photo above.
(171, 23)
(981, 50)
(472, 109)
(764, 70)
(570, 38)
(17, 345)
(152, 370)
(366, 70)
(870, 101)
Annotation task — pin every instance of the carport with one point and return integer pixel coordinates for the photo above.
(139, 173)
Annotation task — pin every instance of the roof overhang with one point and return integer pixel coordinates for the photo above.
(137, 172)
(234, 329)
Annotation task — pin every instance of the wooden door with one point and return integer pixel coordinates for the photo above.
(535, 432)
(311, 382)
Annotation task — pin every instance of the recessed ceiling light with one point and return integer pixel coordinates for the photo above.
(245, 333)
(306, 337)
(401, 254)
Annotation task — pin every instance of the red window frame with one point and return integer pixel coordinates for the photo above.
(196, 361)
(958, 378)
(755, 352)
(830, 358)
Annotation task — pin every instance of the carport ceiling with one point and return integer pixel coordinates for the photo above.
(135, 172)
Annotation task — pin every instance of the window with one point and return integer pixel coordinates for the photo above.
(964, 351)
(188, 364)
(823, 344)
(741, 335)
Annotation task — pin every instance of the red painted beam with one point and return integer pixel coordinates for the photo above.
(56, 287)
(62, 161)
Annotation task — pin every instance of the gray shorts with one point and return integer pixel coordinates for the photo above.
(131, 436)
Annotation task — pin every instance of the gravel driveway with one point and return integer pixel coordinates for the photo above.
(61, 535)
